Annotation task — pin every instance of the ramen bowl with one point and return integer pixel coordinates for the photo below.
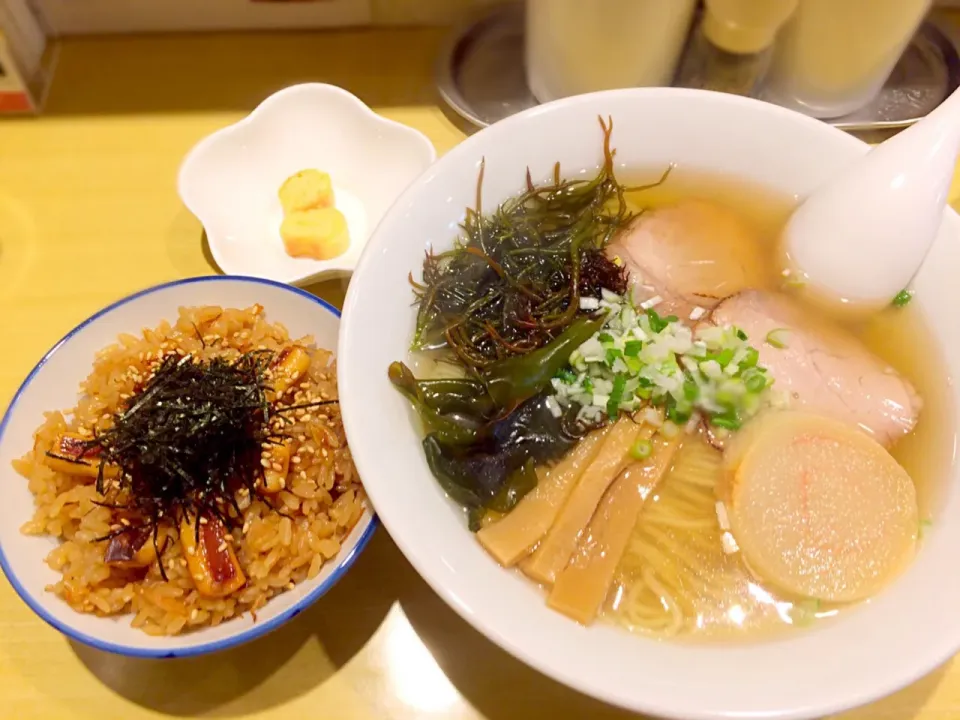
(877, 647)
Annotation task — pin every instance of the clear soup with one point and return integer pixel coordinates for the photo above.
(675, 579)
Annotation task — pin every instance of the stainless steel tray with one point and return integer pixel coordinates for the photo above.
(481, 75)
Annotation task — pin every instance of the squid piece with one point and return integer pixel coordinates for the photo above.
(213, 564)
(72, 455)
(131, 550)
(277, 468)
(290, 366)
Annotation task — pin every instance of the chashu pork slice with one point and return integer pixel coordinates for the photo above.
(691, 254)
(823, 368)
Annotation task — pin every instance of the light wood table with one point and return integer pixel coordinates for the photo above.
(89, 213)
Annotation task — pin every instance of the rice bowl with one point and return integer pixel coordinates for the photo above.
(290, 545)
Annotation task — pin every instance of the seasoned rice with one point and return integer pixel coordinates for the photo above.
(322, 501)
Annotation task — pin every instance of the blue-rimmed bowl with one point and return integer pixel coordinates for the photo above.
(53, 385)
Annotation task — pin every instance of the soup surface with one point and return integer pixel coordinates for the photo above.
(675, 579)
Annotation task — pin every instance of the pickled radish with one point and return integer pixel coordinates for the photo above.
(819, 508)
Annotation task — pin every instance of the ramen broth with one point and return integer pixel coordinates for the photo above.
(676, 579)
(679, 577)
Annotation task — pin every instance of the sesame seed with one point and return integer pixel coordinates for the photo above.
(194, 613)
(295, 459)
(277, 466)
(290, 586)
(203, 521)
(124, 522)
(307, 418)
(223, 546)
(265, 462)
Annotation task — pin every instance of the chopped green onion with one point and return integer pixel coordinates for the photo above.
(902, 298)
(804, 612)
(641, 449)
(725, 356)
(728, 395)
(567, 375)
(751, 359)
(639, 358)
(778, 338)
(613, 404)
(756, 383)
(657, 324)
(676, 415)
(727, 421)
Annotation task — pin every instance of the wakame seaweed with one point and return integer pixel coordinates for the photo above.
(514, 279)
(496, 472)
(505, 306)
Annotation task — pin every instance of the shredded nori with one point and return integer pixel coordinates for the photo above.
(189, 441)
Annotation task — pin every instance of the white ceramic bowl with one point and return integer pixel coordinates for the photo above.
(53, 384)
(888, 642)
(230, 179)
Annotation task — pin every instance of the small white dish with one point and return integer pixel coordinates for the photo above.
(876, 648)
(230, 179)
(53, 384)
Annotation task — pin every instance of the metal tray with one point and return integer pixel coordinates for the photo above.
(481, 75)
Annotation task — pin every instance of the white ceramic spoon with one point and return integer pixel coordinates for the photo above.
(861, 237)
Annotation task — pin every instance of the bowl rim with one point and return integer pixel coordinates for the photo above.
(433, 576)
(335, 266)
(259, 629)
